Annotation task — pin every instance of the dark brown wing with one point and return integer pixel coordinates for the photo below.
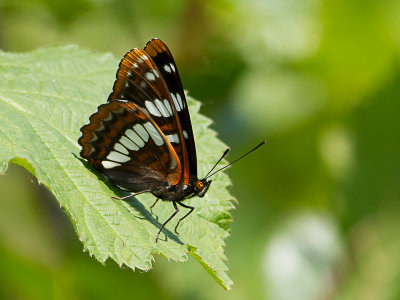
(165, 63)
(123, 142)
(140, 81)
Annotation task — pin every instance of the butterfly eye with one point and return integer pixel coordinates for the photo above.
(199, 185)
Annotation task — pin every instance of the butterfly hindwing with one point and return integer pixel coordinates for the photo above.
(123, 142)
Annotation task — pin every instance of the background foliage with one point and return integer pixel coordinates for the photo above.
(318, 205)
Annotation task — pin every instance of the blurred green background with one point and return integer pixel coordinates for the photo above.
(318, 212)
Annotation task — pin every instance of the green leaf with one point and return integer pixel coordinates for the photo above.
(45, 97)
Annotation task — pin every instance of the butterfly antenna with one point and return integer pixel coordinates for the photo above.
(237, 159)
(222, 157)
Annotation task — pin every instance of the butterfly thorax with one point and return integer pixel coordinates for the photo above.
(181, 192)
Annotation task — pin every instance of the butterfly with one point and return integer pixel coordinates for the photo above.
(141, 139)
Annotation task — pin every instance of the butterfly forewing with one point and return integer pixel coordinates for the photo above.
(123, 142)
(140, 81)
(165, 63)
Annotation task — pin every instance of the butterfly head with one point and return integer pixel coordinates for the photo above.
(201, 187)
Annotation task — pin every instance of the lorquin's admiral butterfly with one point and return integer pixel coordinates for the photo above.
(142, 138)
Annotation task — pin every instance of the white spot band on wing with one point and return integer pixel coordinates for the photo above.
(118, 147)
(118, 157)
(110, 164)
(154, 133)
(152, 109)
(178, 108)
(167, 68)
(162, 108)
(141, 132)
(134, 137)
(128, 143)
(150, 76)
(178, 97)
(168, 106)
(173, 138)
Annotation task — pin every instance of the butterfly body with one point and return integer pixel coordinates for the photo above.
(179, 193)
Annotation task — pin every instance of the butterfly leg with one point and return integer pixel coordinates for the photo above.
(169, 219)
(190, 211)
(151, 207)
(133, 195)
